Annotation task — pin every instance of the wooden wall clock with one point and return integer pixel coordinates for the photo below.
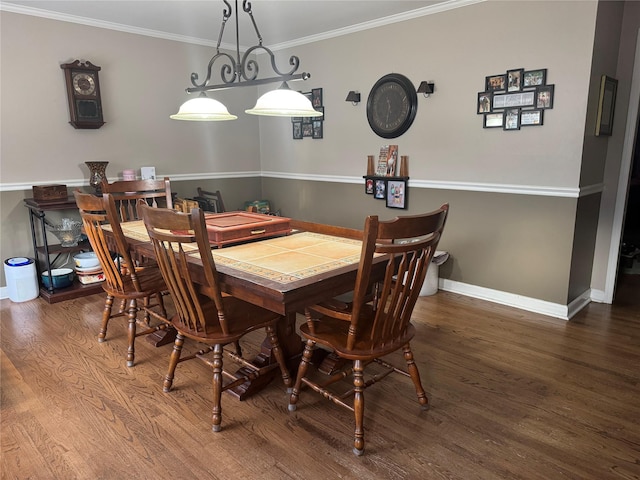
(83, 93)
(392, 105)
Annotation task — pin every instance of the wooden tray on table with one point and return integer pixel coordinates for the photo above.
(235, 227)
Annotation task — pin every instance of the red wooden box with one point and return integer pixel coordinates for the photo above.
(235, 227)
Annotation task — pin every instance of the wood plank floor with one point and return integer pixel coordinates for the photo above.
(514, 395)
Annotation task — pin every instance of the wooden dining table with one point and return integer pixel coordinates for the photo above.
(284, 274)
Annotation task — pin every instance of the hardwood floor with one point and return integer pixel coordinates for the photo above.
(514, 395)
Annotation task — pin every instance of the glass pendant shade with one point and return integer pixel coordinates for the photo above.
(203, 109)
(284, 102)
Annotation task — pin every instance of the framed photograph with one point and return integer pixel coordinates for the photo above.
(379, 187)
(531, 118)
(511, 100)
(307, 130)
(317, 129)
(316, 97)
(318, 109)
(397, 194)
(495, 83)
(512, 119)
(297, 130)
(368, 186)
(484, 102)
(544, 96)
(606, 105)
(534, 78)
(296, 119)
(493, 120)
(514, 80)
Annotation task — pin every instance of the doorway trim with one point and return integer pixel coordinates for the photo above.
(623, 179)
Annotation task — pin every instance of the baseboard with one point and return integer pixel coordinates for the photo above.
(564, 312)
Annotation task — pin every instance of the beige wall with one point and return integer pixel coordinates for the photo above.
(500, 234)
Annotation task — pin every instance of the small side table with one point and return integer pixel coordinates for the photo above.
(42, 251)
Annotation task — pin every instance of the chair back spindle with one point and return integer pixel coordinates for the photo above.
(127, 193)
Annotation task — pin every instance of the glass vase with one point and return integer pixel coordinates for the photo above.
(96, 174)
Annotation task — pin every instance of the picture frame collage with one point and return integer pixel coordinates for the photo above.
(393, 190)
(310, 126)
(514, 99)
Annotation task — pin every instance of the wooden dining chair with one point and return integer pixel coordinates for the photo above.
(203, 313)
(126, 193)
(365, 330)
(213, 200)
(123, 280)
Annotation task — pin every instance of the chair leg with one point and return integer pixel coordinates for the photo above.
(302, 371)
(358, 406)
(106, 315)
(415, 376)
(173, 362)
(132, 313)
(277, 352)
(217, 388)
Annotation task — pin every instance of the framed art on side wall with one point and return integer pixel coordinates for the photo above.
(606, 105)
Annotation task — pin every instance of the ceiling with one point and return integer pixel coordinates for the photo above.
(281, 23)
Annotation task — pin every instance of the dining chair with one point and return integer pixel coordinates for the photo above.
(363, 331)
(126, 193)
(203, 312)
(123, 279)
(213, 200)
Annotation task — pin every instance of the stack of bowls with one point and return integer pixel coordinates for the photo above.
(87, 267)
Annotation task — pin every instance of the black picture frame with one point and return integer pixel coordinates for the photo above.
(396, 194)
(307, 129)
(532, 118)
(511, 119)
(368, 186)
(296, 119)
(514, 80)
(380, 188)
(606, 105)
(493, 120)
(513, 100)
(544, 96)
(318, 109)
(484, 102)
(297, 130)
(495, 83)
(317, 129)
(534, 78)
(316, 97)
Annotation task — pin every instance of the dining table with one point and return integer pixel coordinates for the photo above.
(312, 263)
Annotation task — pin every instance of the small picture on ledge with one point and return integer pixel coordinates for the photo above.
(397, 194)
(368, 187)
(379, 189)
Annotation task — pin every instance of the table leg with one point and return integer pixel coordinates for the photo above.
(292, 347)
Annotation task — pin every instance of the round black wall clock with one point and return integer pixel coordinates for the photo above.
(392, 105)
(83, 93)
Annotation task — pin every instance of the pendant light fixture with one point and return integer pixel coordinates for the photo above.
(243, 72)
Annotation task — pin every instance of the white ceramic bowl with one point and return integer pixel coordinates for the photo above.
(86, 260)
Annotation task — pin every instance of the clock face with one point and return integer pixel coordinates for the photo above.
(392, 105)
(84, 84)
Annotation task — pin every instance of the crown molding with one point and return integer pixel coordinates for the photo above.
(419, 12)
